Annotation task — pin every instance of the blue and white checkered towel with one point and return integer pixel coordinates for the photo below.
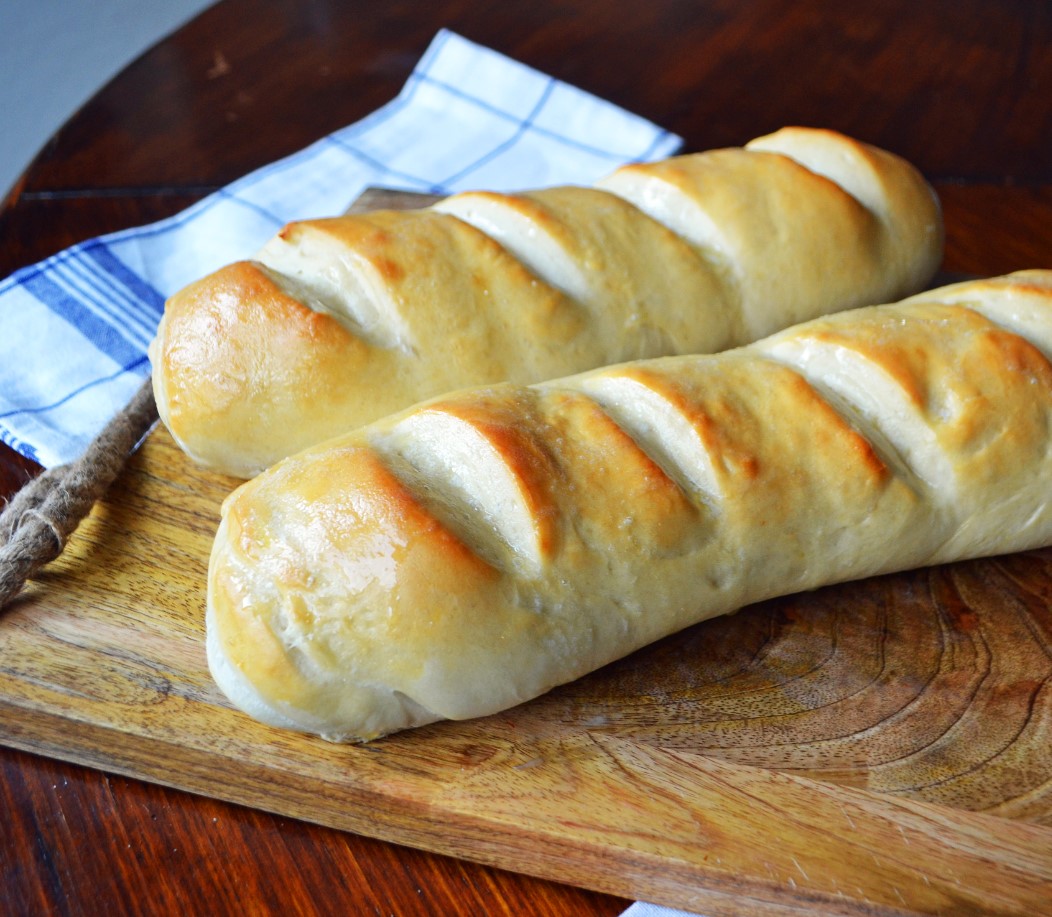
(74, 328)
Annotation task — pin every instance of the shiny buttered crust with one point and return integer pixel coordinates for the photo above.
(338, 322)
(478, 549)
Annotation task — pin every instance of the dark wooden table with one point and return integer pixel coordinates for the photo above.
(962, 88)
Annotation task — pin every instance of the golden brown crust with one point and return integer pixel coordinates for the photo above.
(341, 321)
(239, 325)
(476, 550)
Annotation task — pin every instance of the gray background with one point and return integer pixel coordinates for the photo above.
(56, 54)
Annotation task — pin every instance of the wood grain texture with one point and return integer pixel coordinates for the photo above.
(920, 764)
(171, 853)
(869, 747)
(958, 87)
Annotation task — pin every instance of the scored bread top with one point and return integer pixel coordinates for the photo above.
(340, 321)
(480, 548)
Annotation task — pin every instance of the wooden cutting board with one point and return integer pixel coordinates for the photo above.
(877, 747)
(880, 747)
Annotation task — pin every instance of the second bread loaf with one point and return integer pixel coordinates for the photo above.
(339, 321)
(475, 551)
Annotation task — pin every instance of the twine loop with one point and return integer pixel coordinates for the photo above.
(38, 521)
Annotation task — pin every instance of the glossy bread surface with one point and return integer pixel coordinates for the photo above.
(479, 549)
(341, 321)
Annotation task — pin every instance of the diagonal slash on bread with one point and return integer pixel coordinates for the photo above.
(480, 548)
(337, 322)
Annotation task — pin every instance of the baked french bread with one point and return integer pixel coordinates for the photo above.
(340, 321)
(473, 552)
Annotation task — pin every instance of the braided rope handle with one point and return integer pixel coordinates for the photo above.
(38, 521)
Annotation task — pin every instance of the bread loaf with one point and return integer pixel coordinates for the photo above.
(474, 551)
(340, 321)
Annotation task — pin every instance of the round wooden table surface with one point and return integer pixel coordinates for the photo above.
(962, 88)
